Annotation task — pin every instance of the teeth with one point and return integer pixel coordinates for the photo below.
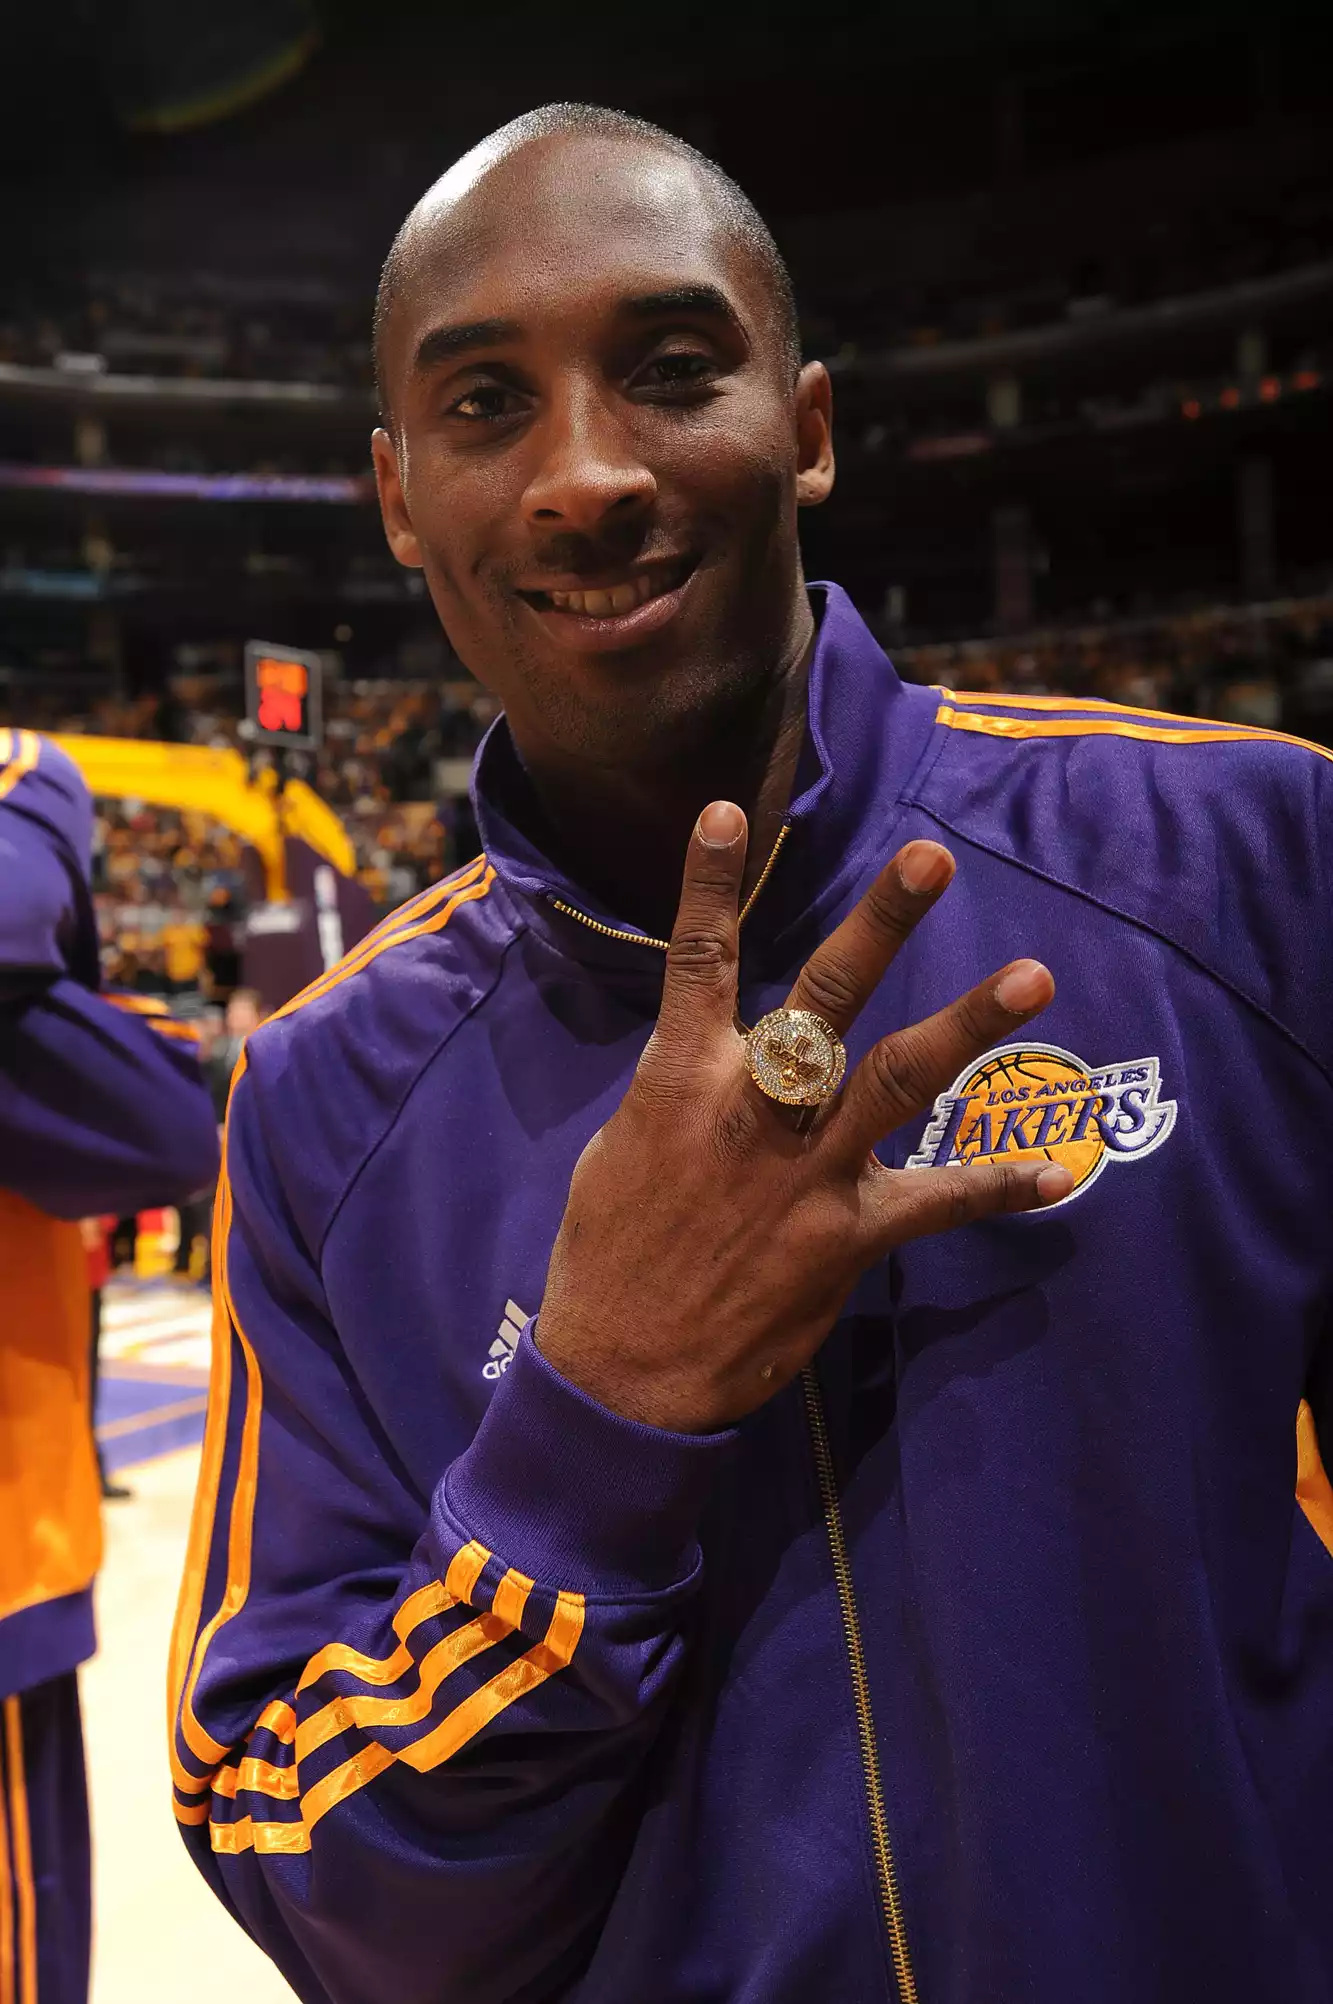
(605, 604)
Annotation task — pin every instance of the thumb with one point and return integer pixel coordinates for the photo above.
(699, 994)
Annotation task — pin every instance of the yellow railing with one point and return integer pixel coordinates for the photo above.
(200, 780)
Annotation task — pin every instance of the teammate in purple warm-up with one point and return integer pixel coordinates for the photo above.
(102, 1108)
(740, 1466)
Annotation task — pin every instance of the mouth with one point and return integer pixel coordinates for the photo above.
(617, 611)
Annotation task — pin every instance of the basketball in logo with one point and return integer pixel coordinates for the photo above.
(1035, 1099)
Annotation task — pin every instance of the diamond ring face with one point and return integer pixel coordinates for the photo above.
(795, 1057)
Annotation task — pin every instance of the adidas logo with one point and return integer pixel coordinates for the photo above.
(506, 1341)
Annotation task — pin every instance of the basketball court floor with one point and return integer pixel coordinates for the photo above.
(160, 1935)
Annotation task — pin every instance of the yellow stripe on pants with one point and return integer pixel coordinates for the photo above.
(22, 1848)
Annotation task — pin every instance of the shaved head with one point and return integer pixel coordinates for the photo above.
(731, 206)
(598, 433)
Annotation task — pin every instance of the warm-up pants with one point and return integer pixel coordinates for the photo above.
(45, 1864)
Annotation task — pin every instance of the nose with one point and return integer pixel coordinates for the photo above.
(589, 471)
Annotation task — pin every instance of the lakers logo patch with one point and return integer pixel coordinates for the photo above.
(1035, 1099)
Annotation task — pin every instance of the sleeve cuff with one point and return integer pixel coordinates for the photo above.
(578, 1497)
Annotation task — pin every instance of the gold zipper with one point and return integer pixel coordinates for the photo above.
(608, 931)
(890, 1895)
(663, 945)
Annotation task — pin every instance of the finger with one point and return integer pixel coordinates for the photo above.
(699, 993)
(841, 975)
(914, 1203)
(904, 1073)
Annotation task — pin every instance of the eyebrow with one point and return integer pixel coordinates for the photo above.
(442, 344)
(699, 299)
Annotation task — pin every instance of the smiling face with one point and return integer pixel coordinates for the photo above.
(600, 442)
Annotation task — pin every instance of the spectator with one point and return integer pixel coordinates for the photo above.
(242, 1016)
(183, 942)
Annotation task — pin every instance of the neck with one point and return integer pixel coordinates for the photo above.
(623, 831)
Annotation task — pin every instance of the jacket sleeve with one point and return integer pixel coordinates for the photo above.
(101, 1108)
(411, 1725)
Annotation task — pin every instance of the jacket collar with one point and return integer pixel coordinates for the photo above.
(866, 732)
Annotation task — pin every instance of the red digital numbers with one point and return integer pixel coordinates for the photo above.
(283, 687)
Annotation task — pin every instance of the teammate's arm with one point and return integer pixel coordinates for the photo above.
(101, 1109)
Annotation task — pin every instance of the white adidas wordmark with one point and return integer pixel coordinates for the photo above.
(506, 1341)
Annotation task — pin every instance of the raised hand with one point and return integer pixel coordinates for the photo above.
(710, 1238)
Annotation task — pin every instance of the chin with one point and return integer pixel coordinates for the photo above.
(650, 719)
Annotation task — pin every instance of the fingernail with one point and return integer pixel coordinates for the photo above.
(1026, 986)
(1054, 1183)
(721, 824)
(924, 866)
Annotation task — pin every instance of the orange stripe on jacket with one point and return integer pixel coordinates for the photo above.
(174, 1032)
(21, 1844)
(190, 1644)
(26, 750)
(137, 1005)
(6, 1910)
(1314, 1492)
(544, 1660)
(1019, 728)
(1008, 699)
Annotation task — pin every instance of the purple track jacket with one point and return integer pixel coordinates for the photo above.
(102, 1108)
(992, 1662)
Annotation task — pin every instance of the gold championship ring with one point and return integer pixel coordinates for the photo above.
(795, 1057)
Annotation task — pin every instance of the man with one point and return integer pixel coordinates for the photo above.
(183, 943)
(102, 1109)
(221, 1039)
(803, 1606)
(239, 1018)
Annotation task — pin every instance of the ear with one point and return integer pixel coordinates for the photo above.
(814, 436)
(398, 528)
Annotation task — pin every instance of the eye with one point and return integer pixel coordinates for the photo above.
(679, 369)
(485, 403)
